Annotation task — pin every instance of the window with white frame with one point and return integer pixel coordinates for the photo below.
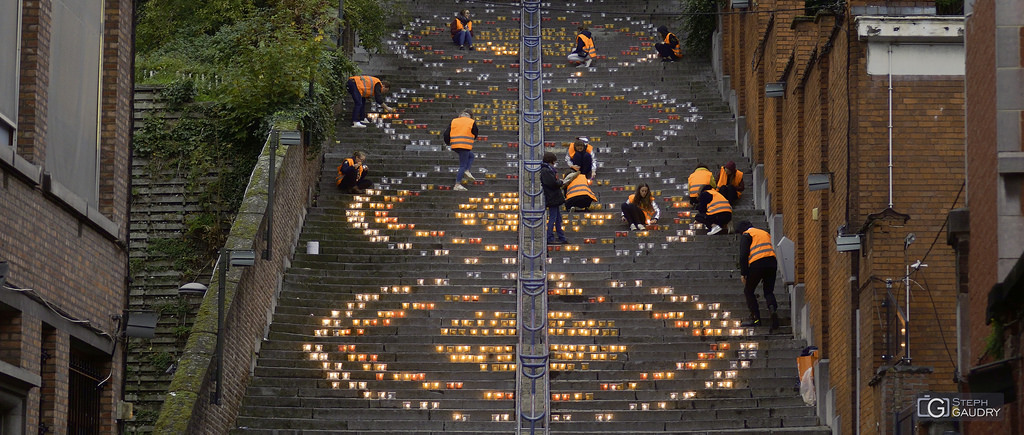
(72, 145)
(10, 39)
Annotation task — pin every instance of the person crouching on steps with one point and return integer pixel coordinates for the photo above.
(553, 197)
(758, 264)
(361, 88)
(713, 210)
(583, 54)
(352, 174)
(460, 135)
(641, 208)
(579, 196)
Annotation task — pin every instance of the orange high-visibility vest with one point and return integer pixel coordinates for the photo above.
(761, 246)
(459, 27)
(737, 180)
(648, 211)
(677, 50)
(718, 203)
(572, 150)
(579, 186)
(699, 178)
(462, 133)
(365, 84)
(588, 45)
(341, 176)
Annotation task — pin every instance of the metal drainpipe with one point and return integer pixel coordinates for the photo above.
(532, 378)
(890, 124)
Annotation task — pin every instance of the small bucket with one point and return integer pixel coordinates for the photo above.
(313, 247)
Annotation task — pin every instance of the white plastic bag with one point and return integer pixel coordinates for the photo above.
(807, 386)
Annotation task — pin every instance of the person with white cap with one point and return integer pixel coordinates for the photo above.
(580, 157)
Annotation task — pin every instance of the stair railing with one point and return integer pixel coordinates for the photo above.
(532, 378)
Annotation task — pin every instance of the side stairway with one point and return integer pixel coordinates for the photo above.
(401, 318)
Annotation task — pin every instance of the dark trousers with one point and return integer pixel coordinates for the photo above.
(358, 102)
(720, 219)
(633, 214)
(350, 181)
(579, 202)
(465, 163)
(665, 51)
(463, 38)
(761, 271)
(555, 223)
(729, 192)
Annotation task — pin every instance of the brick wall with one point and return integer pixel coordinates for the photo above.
(252, 293)
(834, 119)
(983, 199)
(62, 256)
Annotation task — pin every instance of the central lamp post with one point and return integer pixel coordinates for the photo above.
(240, 258)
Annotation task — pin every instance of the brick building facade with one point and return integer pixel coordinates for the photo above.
(65, 128)
(872, 98)
(989, 233)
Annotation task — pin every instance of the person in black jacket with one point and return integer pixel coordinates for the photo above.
(669, 49)
(758, 265)
(462, 30)
(553, 196)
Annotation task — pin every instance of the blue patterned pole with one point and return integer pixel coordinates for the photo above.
(532, 379)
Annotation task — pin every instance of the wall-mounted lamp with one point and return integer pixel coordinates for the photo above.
(240, 258)
(821, 181)
(141, 324)
(775, 89)
(848, 242)
(740, 4)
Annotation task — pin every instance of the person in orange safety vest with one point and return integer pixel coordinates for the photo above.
(460, 135)
(361, 88)
(579, 195)
(758, 265)
(462, 30)
(730, 182)
(700, 177)
(585, 51)
(713, 210)
(352, 174)
(641, 208)
(669, 49)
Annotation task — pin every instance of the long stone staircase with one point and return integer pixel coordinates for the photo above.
(404, 321)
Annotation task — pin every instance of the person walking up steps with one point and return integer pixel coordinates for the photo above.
(361, 88)
(758, 264)
(460, 135)
(583, 54)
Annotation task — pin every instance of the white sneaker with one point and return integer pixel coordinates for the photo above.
(365, 121)
(632, 227)
(589, 60)
(459, 187)
(468, 176)
(358, 125)
(715, 229)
